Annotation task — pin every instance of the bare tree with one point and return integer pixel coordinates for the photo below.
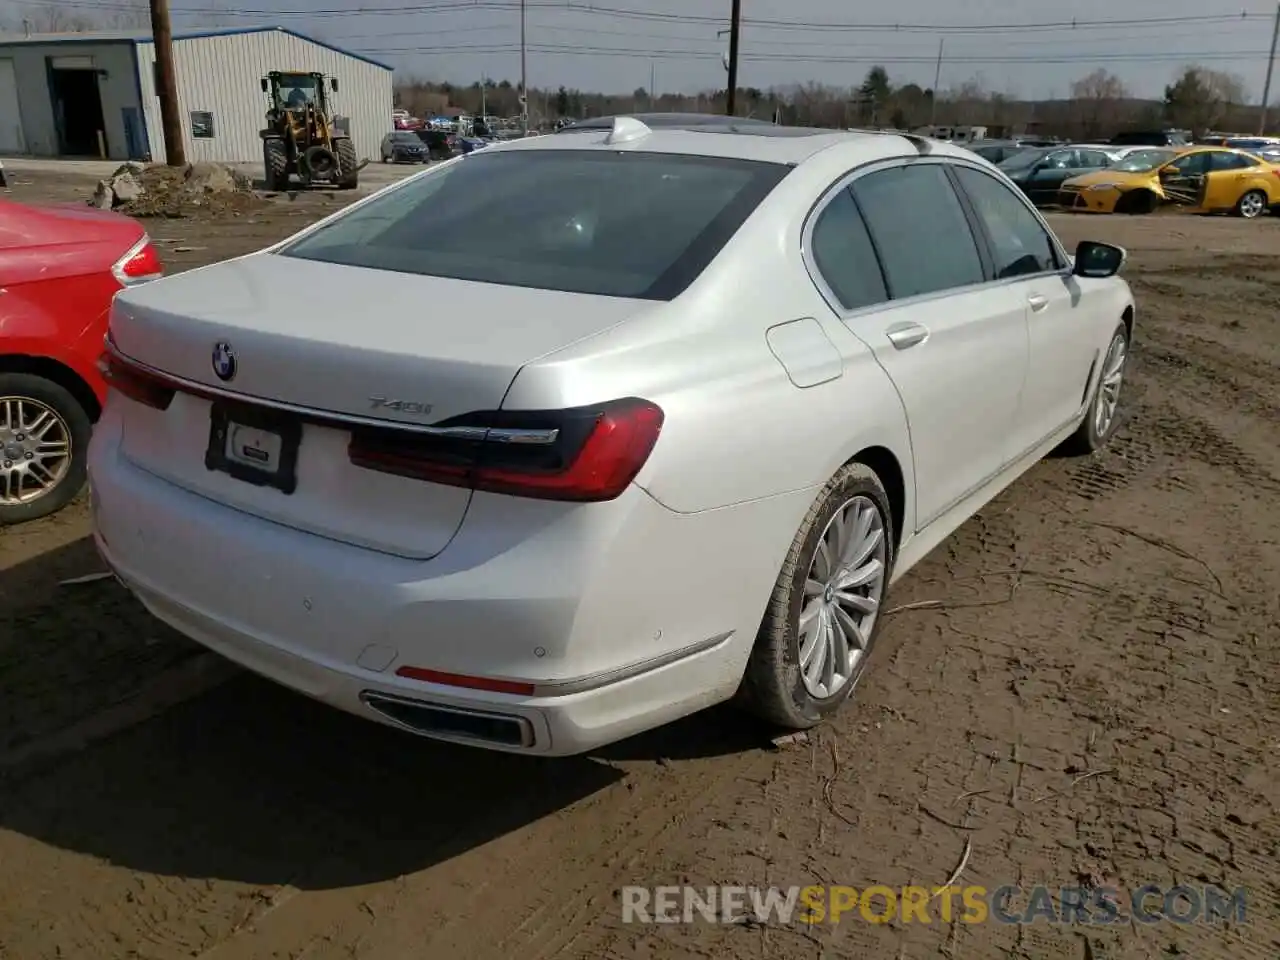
(1099, 100)
(67, 19)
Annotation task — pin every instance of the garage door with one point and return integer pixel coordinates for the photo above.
(11, 139)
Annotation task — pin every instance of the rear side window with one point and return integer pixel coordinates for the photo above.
(1231, 161)
(614, 224)
(920, 230)
(845, 256)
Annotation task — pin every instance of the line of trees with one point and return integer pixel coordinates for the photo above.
(1099, 104)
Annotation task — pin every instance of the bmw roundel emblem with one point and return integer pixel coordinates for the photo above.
(224, 361)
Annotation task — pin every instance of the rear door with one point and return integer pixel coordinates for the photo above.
(1231, 175)
(954, 345)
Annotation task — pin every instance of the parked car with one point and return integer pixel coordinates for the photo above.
(59, 269)
(1199, 179)
(403, 146)
(1040, 172)
(1268, 148)
(1151, 138)
(996, 151)
(440, 144)
(471, 144)
(649, 449)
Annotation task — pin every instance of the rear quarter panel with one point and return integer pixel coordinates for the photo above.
(737, 428)
(63, 320)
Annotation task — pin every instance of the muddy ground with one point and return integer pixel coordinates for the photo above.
(1084, 690)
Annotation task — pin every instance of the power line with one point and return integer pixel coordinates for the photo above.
(443, 6)
(1181, 56)
(876, 45)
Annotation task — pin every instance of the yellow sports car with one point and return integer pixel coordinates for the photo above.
(1201, 179)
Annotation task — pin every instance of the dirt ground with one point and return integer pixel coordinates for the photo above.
(1085, 689)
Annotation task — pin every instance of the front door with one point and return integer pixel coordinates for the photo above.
(1061, 342)
(1185, 179)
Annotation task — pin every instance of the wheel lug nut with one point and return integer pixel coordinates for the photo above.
(20, 437)
(8, 464)
(30, 456)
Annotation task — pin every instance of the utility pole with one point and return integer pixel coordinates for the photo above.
(1271, 65)
(524, 78)
(162, 37)
(653, 73)
(937, 79)
(735, 28)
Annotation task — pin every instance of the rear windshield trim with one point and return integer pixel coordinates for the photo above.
(677, 277)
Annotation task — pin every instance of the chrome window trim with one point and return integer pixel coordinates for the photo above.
(828, 294)
(334, 419)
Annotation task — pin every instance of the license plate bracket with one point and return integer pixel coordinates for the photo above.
(254, 445)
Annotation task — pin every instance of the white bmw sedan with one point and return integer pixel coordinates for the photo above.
(573, 436)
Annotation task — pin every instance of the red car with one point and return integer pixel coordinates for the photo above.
(60, 268)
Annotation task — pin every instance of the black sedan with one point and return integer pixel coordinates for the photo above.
(403, 146)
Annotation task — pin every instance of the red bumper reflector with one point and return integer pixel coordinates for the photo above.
(460, 680)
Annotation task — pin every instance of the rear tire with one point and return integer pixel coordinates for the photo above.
(348, 174)
(275, 162)
(797, 684)
(40, 400)
(1102, 416)
(1252, 205)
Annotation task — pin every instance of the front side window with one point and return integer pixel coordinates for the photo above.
(1093, 159)
(582, 221)
(1020, 245)
(919, 229)
(1189, 165)
(1063, 160)
(845, 256)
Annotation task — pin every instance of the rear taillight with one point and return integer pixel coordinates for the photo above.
(140, 264)
(583, 454)
(133, 380)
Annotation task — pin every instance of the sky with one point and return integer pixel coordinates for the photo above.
(1023, 48)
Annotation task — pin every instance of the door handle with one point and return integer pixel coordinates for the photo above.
(904, 335)
(1037, 302)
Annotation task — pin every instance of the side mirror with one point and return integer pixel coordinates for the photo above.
(333, 84)
(265, 85)
(1098, 260)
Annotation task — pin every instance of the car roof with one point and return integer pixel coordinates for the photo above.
(732, 138)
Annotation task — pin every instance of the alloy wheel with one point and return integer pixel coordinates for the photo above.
(842, 594)
(1108, 399)
(35, 450)
(1252, 204)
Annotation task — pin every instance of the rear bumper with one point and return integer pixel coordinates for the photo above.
(620, 625)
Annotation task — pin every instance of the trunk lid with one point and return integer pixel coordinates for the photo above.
(335, 340)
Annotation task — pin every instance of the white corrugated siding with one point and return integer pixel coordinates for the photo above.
(221, 74)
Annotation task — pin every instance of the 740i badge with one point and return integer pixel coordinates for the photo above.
(410, 407)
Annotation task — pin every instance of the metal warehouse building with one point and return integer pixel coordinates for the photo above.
(94, 94)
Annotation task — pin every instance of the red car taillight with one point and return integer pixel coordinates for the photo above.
(584, 454)
(139, 264)
(134, 381)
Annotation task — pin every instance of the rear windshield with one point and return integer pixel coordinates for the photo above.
(616, 224)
